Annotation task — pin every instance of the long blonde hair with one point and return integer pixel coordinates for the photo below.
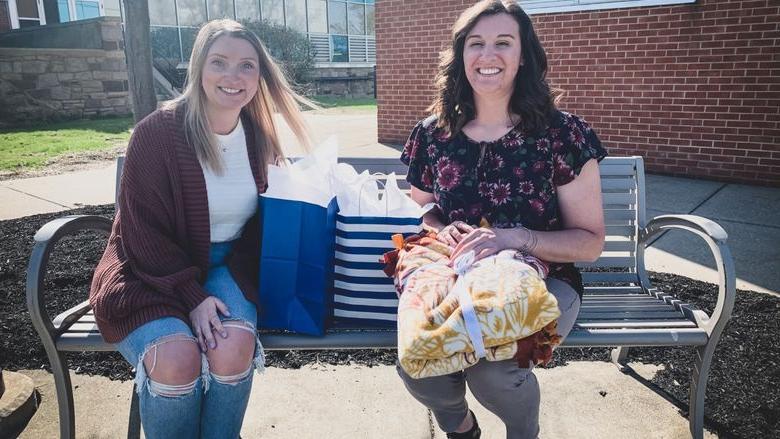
(273, 94)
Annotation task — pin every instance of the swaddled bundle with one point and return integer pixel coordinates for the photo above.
(512, 309)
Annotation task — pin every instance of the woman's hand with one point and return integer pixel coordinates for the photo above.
(454, 233)
(485, 242)
(204, 317)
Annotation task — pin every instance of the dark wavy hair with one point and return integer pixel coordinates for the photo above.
(533, 99)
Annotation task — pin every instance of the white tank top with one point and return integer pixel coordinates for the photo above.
(233, 195)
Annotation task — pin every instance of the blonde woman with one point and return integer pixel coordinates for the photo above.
(176, 286)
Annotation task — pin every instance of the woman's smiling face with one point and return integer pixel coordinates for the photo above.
(492, 55)
(231, 73)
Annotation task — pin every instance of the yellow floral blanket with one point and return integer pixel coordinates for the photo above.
(516, 314)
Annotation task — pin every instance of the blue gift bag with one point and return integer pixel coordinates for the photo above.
(296, 265)
(363, 294)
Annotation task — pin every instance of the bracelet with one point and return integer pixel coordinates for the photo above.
(530, 243)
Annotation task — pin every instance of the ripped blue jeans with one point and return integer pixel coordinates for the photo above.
(212, 406)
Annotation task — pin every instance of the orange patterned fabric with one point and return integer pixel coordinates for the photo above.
(517, 315)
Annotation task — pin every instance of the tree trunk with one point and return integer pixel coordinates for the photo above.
(138, 52)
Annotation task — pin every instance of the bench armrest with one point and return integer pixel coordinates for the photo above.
(45, 240)
(714, 235)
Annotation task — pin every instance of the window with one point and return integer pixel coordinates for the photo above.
(340, 46)
(220, 9)
(542, 6)
(63, 8)
(28, 13)
(188, 35)
(296, 14)
(248, 9)
(337, 17)
(191, 13)
(165, 43)
(318, 16)
(162, 13)
(370, 29)
(273, 11)
(357, 19)
(87, 9)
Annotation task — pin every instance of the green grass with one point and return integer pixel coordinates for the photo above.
(342, 102)
(33, 146)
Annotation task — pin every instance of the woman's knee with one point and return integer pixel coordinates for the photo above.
(233, 355)
(509, 392)
(174, 361)
(567, 297)
(496, 377)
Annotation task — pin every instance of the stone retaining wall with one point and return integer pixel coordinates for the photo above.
(341, 81)
(55, 84)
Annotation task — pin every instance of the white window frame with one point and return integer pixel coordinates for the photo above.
(13, 11)
(555, 6)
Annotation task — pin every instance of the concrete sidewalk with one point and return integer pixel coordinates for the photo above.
(581, 400)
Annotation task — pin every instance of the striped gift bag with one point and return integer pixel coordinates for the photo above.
(363, 294)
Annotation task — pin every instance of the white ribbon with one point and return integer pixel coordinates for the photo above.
(462, 265)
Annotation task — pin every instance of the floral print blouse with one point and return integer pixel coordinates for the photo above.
(510, 182)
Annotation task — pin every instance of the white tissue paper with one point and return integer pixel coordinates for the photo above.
(308, 179)
(318, 177)
(359, 195)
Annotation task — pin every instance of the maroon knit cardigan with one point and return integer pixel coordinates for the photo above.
(157, 256)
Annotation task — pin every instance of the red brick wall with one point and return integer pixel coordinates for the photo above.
(5, 16)
(695, 89)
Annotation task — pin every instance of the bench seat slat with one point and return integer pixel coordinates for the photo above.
(587, 308)
(609, 261)
(83, 341)
(627, 297)
(614, 289)
(83, 326)
(636, 324)
(612, 302)
(667, 314)
(607, 277)
(588, 337)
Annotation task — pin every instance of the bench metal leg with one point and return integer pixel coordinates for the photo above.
(619, 356)
(59, 368)
(699, 376)
(134, 424)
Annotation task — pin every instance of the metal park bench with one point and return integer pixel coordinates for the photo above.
(620, 309)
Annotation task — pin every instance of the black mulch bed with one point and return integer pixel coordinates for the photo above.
(743, 395)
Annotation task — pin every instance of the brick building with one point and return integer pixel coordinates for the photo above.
(694, 87)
